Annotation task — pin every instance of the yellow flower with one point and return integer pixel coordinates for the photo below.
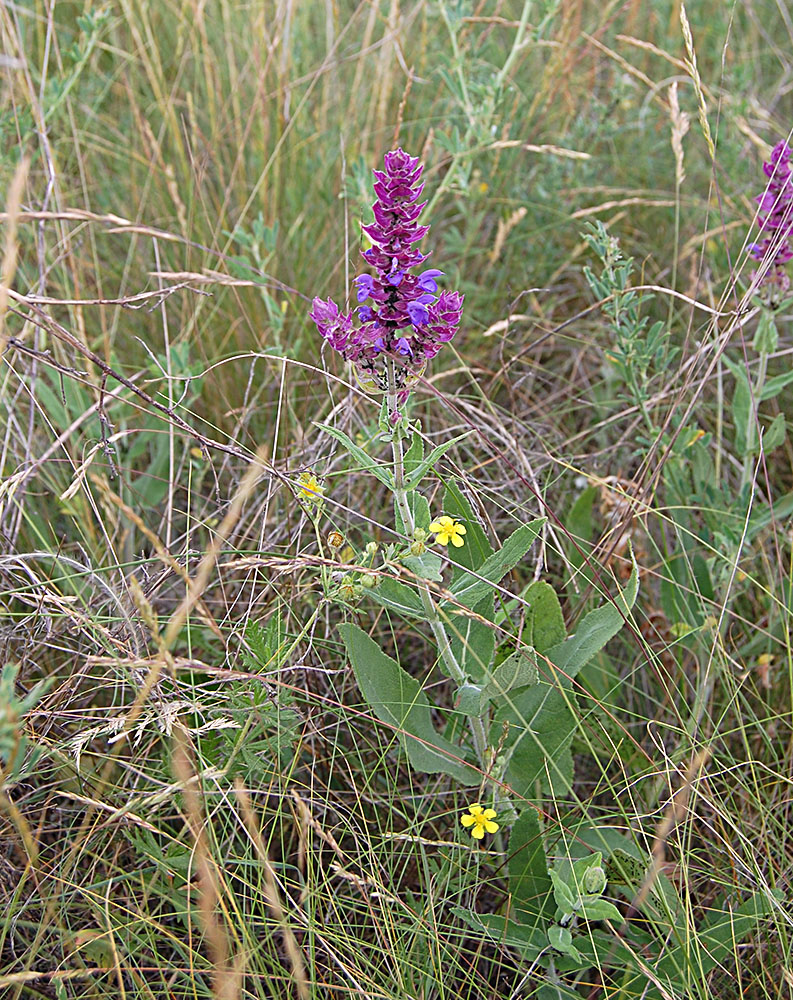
(448, 530)
(480, 820)
(309, 487)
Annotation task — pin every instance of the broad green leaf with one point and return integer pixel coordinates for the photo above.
(561, 939)
(517, 671)
(365, 461)
(766, 337)
(470, 700)
(473, 642)
(563, 895)
(421, 469)
(547, 620)
(469, 589)
(594, 631)
(716, 938)
(397, 597)
(545, 725)
(477, 548)
(397, 699)
(529, 880)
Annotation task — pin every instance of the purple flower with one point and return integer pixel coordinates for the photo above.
(396, 299)
(776, 218)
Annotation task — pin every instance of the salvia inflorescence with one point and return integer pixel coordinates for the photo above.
(402, 320)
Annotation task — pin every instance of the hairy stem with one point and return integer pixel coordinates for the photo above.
(453, 668)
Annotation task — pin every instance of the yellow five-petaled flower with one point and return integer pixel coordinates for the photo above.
(310, 488)
(480, 821)
(448, 530)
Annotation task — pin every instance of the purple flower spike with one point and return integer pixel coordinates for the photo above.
(776, 220)
(396, 299)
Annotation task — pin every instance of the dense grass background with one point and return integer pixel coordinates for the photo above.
(183, 178)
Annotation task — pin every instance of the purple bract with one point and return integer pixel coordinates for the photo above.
(776, 218)
(400, 315)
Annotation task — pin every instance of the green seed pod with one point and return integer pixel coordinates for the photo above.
(368, 580)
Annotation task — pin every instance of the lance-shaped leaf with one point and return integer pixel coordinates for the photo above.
(420, 469)
(594, 631)
(365, 461)
(470, 588)
(396, 698)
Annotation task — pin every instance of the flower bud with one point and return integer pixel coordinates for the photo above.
(595, 880)
(420, 534)
(368, 580)
(417, 548)
(371, 548)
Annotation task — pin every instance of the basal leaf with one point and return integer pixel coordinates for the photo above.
(529, 880)
(396, 699)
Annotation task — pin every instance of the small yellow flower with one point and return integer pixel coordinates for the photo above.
(447, 530)
(309, 487)
(480, 821)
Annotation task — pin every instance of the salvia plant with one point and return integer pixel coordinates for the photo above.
(507, 738)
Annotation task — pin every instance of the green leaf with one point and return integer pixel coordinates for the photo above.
(547, 620)
(741, 408)
(775, 433)
(529, 942)
(473, 642)
(470, 700)
(469, 589)
(600, 909)
(563, 895)
(397, 597)
(715, 940)
(594, 631)
(421, 469)
(517, 671)
(415, 453)
(397, 700)
(545, 725)
(561, 939)
(477, 548)
(775, 385)
(579, 525)
(365, 461)
(529, 881)
(766, 338)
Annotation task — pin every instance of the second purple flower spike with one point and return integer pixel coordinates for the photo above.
(401, 318)
(776, 219)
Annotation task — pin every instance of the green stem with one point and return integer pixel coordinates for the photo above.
(453, 668)
(751, 420)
